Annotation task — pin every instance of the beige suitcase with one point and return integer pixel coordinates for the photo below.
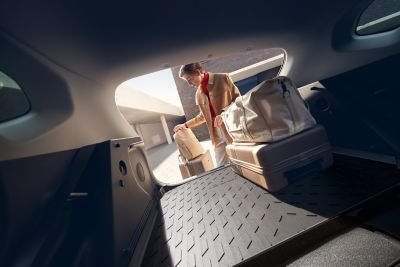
(196, 166)
(188, 145)
(275, 165)
(271, 111)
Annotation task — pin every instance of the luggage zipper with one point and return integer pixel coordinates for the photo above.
(289, 104)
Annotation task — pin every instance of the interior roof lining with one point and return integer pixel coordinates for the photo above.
(110, 44)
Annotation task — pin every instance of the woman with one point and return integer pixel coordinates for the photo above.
(215, 91)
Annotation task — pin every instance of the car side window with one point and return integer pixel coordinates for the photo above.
(379, 16)
(13, 101)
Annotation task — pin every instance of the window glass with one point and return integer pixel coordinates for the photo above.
(13, 102)
(247, 84)
(380, 16)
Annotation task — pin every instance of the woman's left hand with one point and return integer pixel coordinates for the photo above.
(218, 121)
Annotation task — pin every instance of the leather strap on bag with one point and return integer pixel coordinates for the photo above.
(286, 92)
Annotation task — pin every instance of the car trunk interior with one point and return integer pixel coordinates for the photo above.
(220, 217)
(259, 221)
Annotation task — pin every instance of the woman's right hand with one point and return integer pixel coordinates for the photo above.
(218, 121)
(179, 127)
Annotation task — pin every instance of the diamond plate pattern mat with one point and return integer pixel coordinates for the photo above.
(221, 218)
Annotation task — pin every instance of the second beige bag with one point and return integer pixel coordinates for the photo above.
(271, 111)
(188, 145)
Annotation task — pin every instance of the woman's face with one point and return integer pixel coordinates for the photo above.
(193, 80)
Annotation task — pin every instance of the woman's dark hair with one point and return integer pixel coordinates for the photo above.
(190, 69)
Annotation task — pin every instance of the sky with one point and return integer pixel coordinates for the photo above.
(160, 84)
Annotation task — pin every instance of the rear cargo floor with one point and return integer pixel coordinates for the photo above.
(221, 219)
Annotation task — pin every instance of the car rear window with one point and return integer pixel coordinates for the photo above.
(13, 101)
(379, 16)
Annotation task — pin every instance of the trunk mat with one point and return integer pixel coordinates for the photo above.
(221, 218)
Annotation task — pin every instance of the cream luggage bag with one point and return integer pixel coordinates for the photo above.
(196, 166)
(275, 165)
(188, 145)
(271, 111)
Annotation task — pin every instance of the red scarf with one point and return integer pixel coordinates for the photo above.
(204, 88)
